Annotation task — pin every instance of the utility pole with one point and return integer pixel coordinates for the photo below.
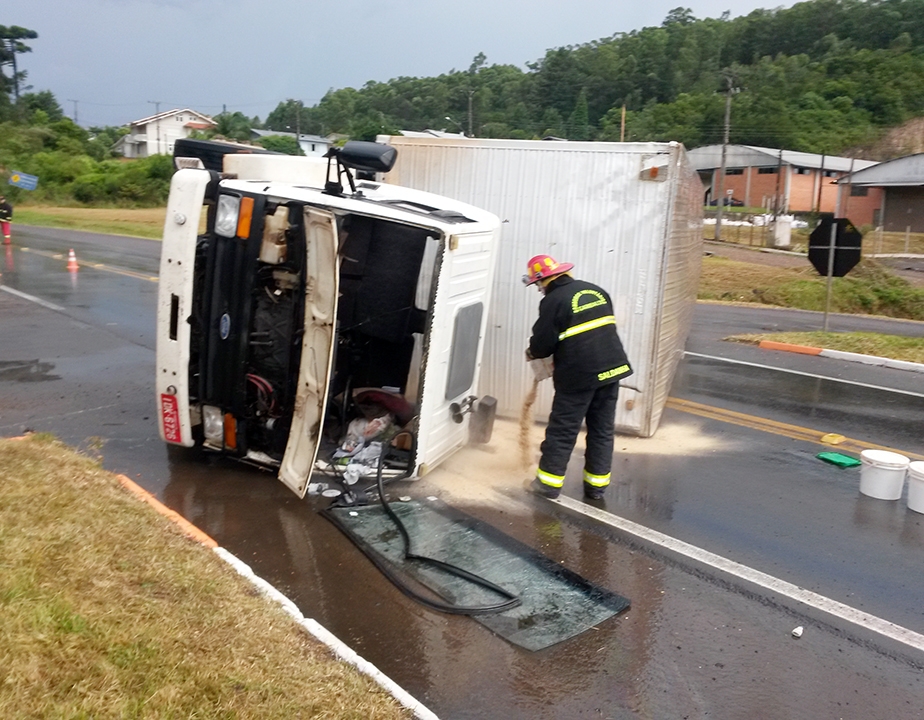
(156, 104)
(622, 125)
(75, 110)
(298, 123)
(471, 93)
(777, 201)
(720, 200)
(778, 205)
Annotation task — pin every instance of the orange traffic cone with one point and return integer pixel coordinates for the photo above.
(72, 265)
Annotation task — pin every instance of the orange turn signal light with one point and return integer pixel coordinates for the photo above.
(244, 217)
(230, 432)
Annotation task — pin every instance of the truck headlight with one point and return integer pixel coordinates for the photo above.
(226, 215)
(213, 424)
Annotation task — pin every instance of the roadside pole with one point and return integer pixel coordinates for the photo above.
(830, 273)
(720, 195)
(835, 246)
(839, 212)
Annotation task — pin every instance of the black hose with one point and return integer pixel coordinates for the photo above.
(511, 602)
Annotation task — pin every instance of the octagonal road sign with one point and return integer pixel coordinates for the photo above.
(847, 242)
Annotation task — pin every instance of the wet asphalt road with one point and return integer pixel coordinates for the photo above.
(696, 643)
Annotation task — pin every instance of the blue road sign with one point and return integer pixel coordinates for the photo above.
(27, 182)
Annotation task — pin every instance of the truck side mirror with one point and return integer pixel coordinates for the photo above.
(359, 156)
(368, 156)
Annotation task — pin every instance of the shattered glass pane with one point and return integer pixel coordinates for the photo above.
(556, 603)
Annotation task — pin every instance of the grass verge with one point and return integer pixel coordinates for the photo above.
(109, 612)
(896, 347)
(137, 222)
(869, 289)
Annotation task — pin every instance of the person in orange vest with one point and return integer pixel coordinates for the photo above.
(577, 329)
(6, 217)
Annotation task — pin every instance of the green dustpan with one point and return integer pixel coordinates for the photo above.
(842, 461)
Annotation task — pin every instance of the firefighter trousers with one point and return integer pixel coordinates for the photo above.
(569, 411)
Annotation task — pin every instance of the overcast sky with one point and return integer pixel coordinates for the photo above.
(112, 60)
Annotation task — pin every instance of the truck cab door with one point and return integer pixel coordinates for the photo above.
(318, 342)
(456, 344)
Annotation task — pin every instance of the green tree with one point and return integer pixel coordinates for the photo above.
(101, 141)
(578, 125)
(557, 76)
(679, 16)
(232, 126)
(288, 116)
(552, 124)
(281, 144)
(370, 125)
(45, 101)
(11, 45)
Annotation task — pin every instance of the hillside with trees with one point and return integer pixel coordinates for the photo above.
(821, 76)
(826, 76)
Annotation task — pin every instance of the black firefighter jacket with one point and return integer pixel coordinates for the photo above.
(577, 328)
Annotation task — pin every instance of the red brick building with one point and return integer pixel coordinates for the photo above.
(786, 181)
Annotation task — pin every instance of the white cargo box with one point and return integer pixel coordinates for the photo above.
(628, 215)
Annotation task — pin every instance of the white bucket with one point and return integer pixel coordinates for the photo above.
(916, 487)
(882, 474)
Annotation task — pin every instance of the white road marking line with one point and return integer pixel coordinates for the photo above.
(96, 266)
(35, 421)
(873, 360)
(804, 374)
(768, 582)
(32, 298)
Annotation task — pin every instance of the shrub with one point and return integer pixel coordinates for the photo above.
(60, 168)
(91, 188)
(281, 143)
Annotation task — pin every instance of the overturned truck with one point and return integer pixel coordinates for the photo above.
(305, 311)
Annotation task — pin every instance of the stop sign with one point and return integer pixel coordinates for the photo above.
(846, 246)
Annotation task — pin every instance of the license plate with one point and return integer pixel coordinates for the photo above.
(170, 414)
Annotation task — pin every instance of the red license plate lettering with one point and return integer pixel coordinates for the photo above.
(170, 414)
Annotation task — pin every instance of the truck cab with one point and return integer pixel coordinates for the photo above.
(312, 322)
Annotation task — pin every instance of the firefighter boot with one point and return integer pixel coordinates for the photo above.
(592, 492)
(546, 491)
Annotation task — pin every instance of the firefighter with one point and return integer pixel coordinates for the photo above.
(576, 328)
(6, 216)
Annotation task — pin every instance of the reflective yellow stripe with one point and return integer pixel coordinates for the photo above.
(555, 481)
(589, 325)
(615, 372)
(596, 480)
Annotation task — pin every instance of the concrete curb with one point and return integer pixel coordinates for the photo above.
(841, 355)
(315, 629)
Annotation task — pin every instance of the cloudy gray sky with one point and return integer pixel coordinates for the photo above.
(112, 60)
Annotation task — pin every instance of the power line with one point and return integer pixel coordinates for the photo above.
(196, 104)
